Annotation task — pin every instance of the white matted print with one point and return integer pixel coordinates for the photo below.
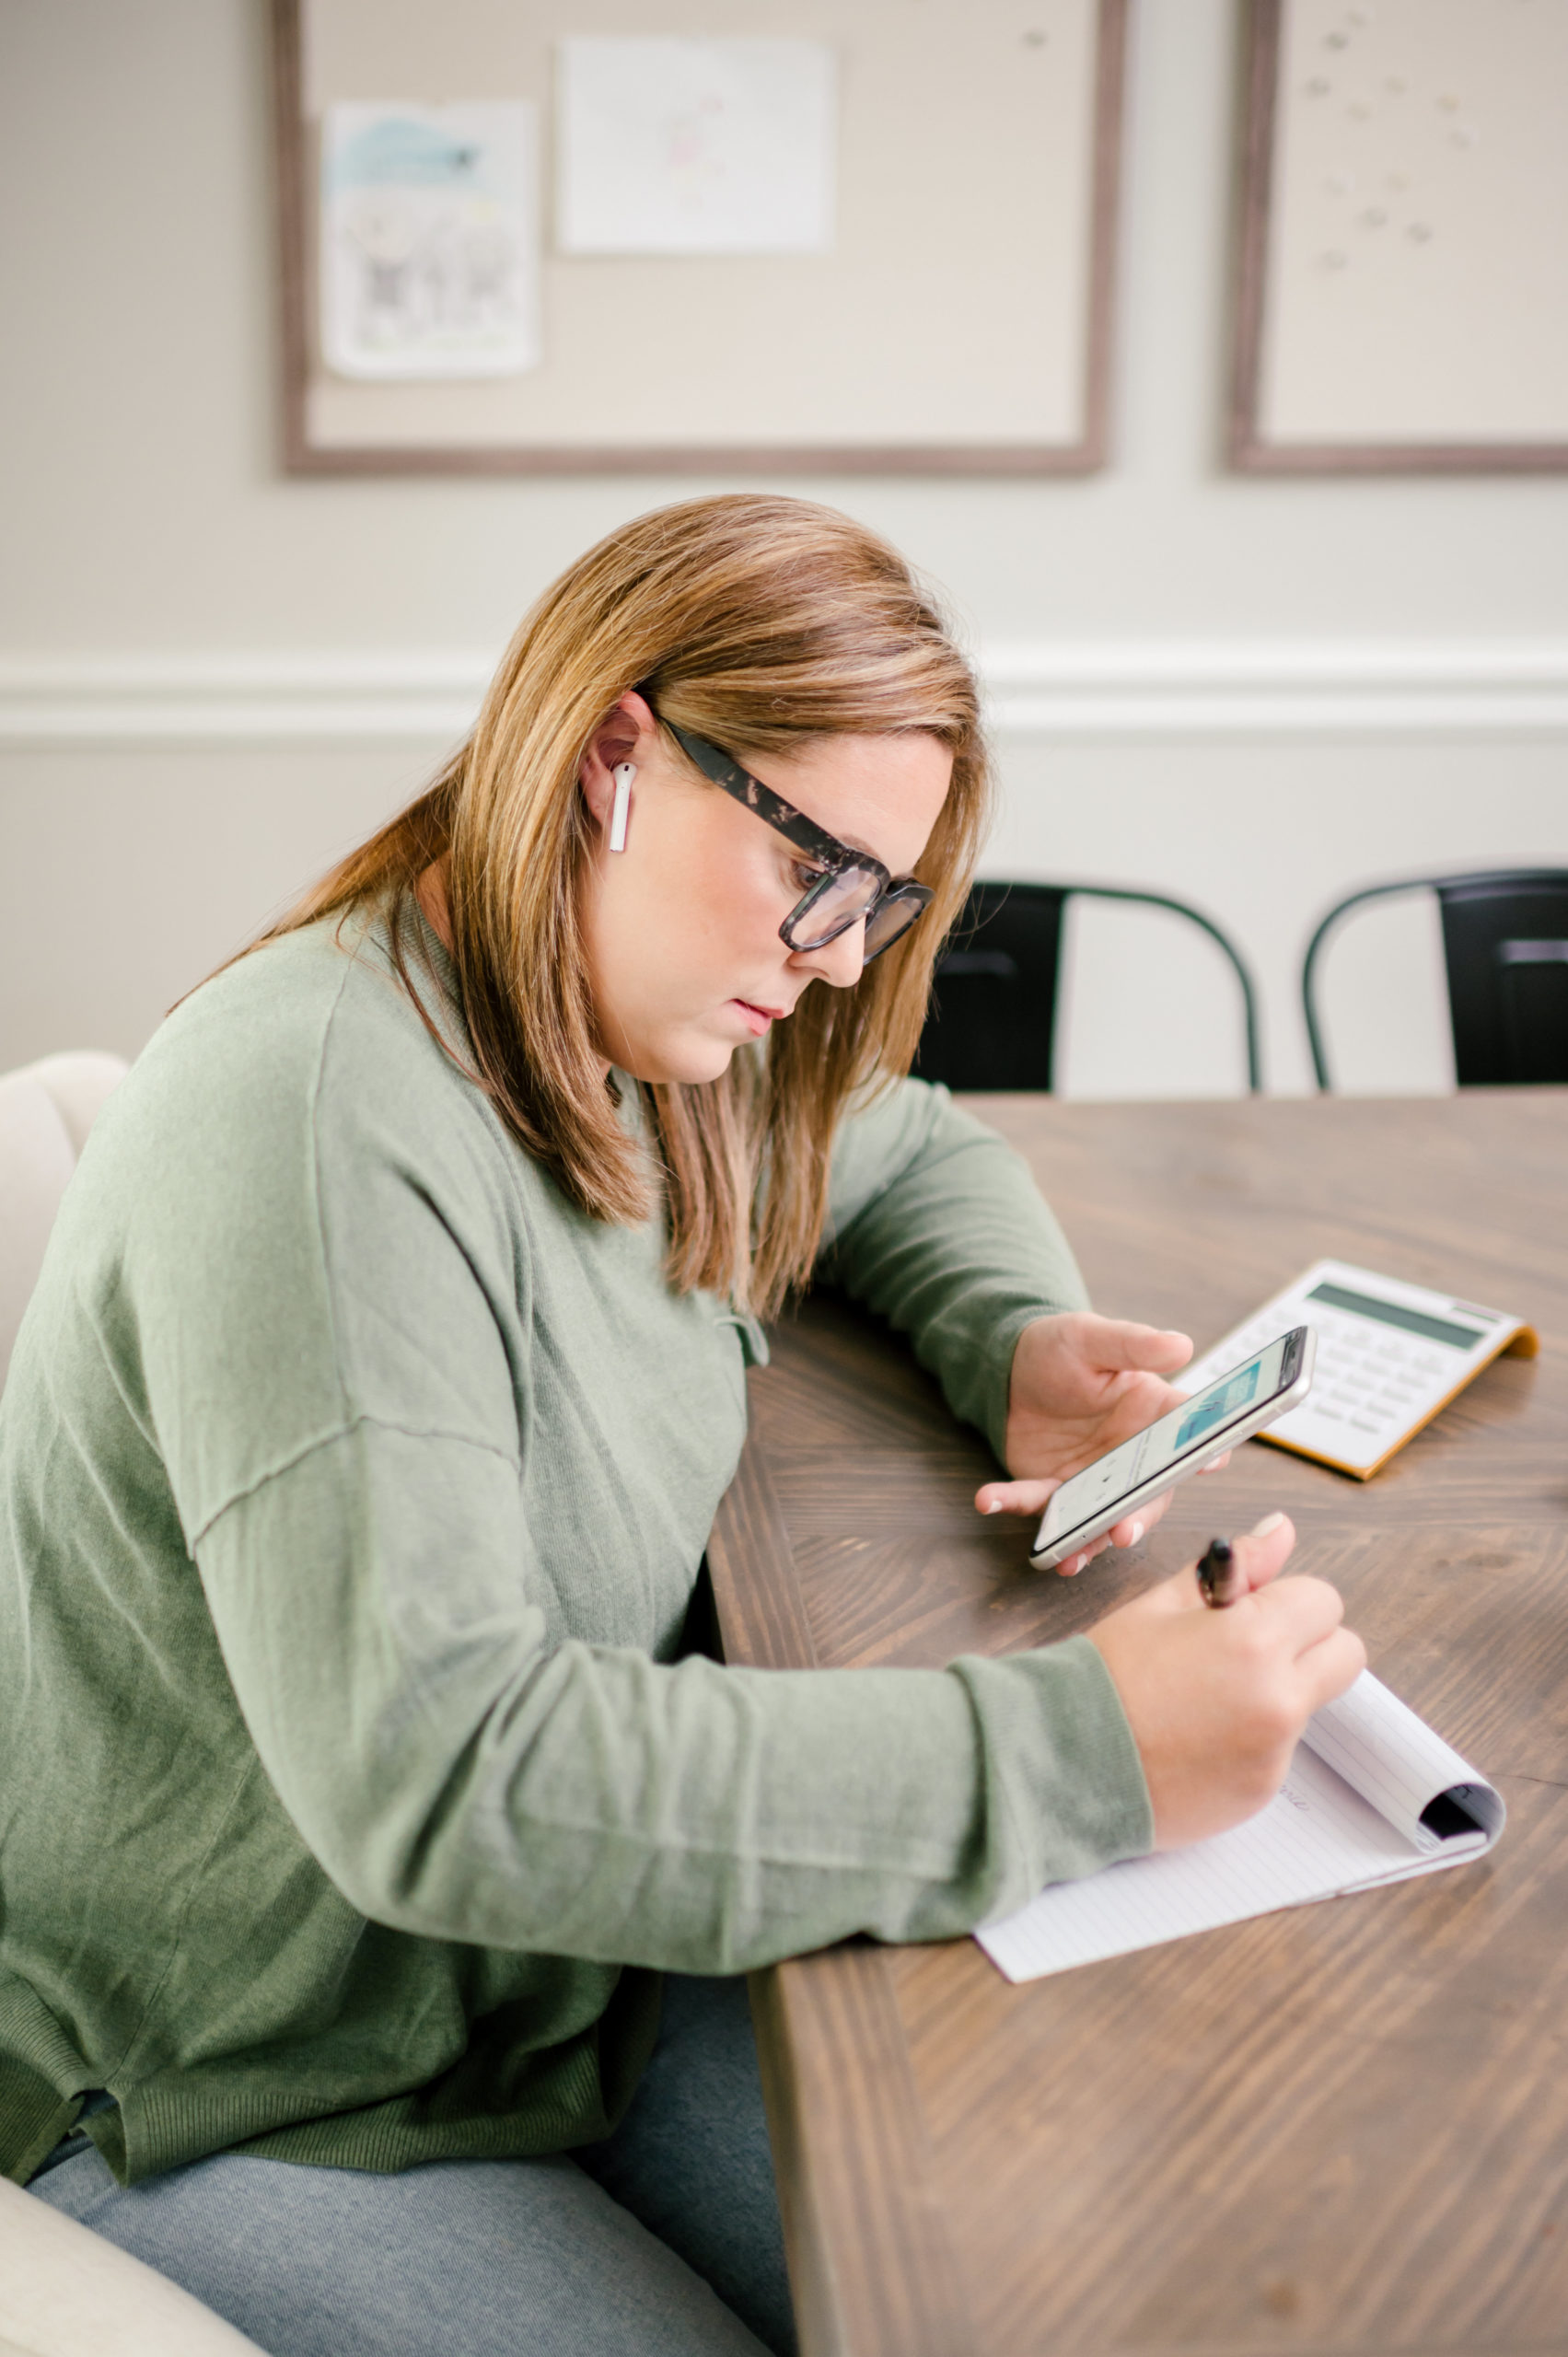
(1405, 220)
(691, 146)
(429, 240)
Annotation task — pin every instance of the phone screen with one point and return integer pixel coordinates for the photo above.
(1160, 1446)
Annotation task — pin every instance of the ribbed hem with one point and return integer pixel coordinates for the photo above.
(41, 2078)
(33, 2118)
(168, 2122)
(575, 2096)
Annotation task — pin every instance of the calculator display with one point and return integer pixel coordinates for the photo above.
(1390, 1313)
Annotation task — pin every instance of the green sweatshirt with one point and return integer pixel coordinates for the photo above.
(353, 1489)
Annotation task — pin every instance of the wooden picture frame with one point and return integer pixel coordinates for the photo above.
(1299, 74)
(313, 448)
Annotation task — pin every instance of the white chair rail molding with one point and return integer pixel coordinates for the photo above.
(1113, 688)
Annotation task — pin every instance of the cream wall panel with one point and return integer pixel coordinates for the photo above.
(127, 880)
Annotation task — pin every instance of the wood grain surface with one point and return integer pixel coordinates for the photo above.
(1343, 2129)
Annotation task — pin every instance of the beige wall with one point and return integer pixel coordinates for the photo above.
(146, 526)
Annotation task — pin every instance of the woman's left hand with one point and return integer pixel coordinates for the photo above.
(1080, 1385)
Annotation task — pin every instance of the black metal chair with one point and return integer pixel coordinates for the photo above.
(992, 1022)
(1505, 947)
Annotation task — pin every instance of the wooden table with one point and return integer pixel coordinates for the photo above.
(1341, 2128)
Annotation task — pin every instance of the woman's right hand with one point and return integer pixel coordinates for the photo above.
(1216, 1698)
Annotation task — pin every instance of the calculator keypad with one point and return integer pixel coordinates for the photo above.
(1370, 1387)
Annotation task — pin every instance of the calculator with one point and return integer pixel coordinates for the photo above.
(1389, 1356)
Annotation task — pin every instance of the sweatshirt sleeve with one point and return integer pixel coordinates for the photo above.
(938, 1226)
(458, 1777)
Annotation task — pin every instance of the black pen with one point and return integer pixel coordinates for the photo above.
(1218, 1579)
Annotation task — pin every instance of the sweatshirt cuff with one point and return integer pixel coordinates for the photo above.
(1065, 1774)
(991, 1416)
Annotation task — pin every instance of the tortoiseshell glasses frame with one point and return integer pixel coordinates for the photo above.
(853, 886)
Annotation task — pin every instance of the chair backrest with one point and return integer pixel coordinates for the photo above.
(992, 1022)
(1506, 952)
(46, 1110)
(1505, 941)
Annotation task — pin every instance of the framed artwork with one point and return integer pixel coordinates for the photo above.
(1402, 285)
(785, 237)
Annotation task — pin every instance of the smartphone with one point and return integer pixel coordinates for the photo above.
(1225, 1413)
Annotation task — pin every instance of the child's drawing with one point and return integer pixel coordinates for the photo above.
(429, 240)
(668, 146)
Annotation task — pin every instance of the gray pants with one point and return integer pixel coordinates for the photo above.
(662, 2242)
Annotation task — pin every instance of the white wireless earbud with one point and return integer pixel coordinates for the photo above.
(624, 774)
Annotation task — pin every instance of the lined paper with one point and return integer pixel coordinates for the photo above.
(1320, 1837)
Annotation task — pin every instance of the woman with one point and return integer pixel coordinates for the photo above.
(361, 1446)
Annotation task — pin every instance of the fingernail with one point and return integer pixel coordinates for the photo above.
(1270, 1522)
(1136, 1533)
(994, 1507)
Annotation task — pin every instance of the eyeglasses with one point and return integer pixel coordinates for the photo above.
(853, 885)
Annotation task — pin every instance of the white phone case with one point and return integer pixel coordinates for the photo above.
(1055, 1547)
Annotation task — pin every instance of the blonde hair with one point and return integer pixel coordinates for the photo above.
(759, 622)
